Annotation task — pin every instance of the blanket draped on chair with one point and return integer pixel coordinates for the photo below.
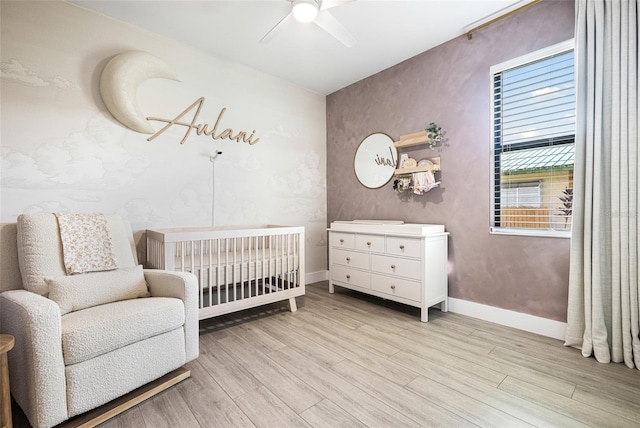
(86, 243)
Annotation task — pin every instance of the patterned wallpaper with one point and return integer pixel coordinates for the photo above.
(63, 152)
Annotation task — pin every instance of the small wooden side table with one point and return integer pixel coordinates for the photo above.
(6, 344)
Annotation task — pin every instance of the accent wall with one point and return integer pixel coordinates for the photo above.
(449, 85)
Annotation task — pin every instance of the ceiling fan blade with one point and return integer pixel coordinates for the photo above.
(328, 4)
(330, 24)
(274, 30)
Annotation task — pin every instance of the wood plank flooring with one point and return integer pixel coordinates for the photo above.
(351, 360)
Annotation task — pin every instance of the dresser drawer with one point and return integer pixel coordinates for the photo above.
(396, 266)
(350, 276)
(409, 247)
(350, 258)
(396, 287)
(342, 240)
(374, 243)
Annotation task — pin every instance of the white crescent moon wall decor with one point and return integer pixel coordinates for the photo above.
(119, 86)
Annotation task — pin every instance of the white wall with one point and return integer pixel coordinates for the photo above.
(63, 152)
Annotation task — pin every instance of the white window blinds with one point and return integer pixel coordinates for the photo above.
(533, 140)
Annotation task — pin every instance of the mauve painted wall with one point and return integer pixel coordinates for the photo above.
(449, 85)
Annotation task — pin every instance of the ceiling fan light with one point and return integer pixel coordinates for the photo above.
(305, 10)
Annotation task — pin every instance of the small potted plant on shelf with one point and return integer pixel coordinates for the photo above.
(435, 134)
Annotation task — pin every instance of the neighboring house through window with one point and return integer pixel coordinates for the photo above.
(526, 194)
(533, 129)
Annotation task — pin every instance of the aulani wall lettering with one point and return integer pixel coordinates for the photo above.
(386, 161)
(203, 128)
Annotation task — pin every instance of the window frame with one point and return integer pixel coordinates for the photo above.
(540, 54)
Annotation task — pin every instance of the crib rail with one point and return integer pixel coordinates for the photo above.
(236, 268)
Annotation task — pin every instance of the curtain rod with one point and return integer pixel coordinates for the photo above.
(498, 18)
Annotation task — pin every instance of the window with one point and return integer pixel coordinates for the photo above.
(521, 195)
(533, 129)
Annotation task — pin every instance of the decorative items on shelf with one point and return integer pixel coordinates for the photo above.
(418, 176)
(416, 182)
(435, 134)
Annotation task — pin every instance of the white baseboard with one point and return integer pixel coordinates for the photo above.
(519, 320)
(321, 275)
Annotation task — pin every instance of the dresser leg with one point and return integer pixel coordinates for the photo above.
(444, 305)
(424, 314)
(331, 288)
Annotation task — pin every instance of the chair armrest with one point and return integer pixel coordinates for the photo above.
(36, 364)
(183, 286)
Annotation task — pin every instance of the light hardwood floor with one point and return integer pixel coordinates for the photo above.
(351, 360)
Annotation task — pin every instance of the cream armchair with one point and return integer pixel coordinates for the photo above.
(68, 358)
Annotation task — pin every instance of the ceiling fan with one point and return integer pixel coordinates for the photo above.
(315, 11)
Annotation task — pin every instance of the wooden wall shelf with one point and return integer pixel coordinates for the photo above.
(410, 140)
(416, 139)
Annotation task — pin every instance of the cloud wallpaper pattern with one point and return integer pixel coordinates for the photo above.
(62, 151)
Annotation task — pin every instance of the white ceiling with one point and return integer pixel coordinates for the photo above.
(386, 33)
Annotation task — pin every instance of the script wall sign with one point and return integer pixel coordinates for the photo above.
(119, 86)
(203, 128)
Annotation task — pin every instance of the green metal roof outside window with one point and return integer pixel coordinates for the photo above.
(539, 159)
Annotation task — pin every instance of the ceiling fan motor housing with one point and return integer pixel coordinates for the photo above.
(305, 10)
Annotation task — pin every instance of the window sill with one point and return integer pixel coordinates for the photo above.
(539, 233)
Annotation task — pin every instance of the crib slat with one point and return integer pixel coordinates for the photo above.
(264, 259)
(234, 275)
(182, 256)
(288, 261)
(255, 274)
(296, 252)
(218, 273)
(270, 267)
(241, 269)
(282, 273)
(192, 259)
(249, 250)
(210, 272)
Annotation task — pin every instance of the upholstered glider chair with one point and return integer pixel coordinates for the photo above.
(90, 325)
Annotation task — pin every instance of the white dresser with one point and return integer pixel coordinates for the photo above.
(406, 263)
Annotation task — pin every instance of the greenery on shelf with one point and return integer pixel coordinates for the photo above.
(435, 134)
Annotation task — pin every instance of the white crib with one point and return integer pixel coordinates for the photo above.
(238, 267)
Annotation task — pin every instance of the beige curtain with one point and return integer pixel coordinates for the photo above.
(602, 316)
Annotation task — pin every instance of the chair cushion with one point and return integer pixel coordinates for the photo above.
(77, 292)
(40, 248)
(100, 329)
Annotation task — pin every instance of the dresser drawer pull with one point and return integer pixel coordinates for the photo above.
(348, 276)
(402, 247)
(369, 243)
(393, 266)
(393, 287)
(342, 241)
(348, 259)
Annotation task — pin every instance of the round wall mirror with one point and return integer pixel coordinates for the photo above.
(375, 160)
